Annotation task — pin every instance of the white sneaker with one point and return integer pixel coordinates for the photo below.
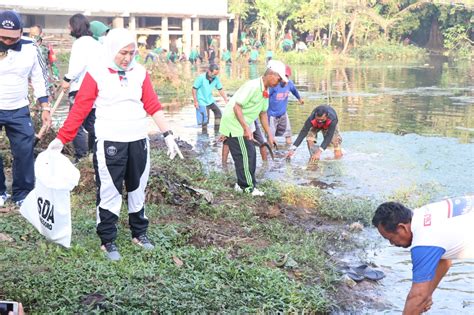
(237, 188)
(3, 198)
(257, 192)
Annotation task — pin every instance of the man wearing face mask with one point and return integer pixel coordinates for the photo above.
(323, 118)
(204, 102)
(84, 53)
(19, 60)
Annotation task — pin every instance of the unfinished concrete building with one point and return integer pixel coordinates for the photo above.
(172, 24)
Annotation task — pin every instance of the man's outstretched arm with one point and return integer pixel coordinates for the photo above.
(419, 297)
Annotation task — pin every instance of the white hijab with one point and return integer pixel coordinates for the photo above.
(115, 40)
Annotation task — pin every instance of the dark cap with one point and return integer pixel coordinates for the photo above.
(10, 24)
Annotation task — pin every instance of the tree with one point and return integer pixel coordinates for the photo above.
(240, 9)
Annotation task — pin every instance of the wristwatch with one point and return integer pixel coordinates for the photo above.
(167, 133)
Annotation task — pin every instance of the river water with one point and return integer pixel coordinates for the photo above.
(405, 127)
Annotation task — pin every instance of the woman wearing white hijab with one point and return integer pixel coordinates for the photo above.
(123, 94)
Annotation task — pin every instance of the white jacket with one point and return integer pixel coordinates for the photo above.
(85, 52)
(15, 69)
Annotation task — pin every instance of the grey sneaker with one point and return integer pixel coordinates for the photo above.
(143, 241)
(3, 198)
(111, 251)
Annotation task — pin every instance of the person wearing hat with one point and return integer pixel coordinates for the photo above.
(244, 107)
(323, 118)
(278, 105)
(84, 52)
(124, 97)
(20, 60)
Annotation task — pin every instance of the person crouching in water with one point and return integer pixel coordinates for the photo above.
(123, 94)
(323, 118)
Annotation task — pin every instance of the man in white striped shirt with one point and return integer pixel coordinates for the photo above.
(20, 60)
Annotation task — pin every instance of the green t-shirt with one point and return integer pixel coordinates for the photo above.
(250, 97)
(204, 89)
(226, 55)
(254, 55)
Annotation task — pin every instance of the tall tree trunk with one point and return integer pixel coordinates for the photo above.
(342, 29)
(235, 33)
(435, 40)
(272, 35)
(351, 31)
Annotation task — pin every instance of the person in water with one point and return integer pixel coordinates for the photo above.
(436, 233)
(323, 118)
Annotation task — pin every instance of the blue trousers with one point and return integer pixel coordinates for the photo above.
(19, 129)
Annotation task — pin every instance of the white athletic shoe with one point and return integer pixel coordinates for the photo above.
(257, 192)
(3, 198)
(237, 188)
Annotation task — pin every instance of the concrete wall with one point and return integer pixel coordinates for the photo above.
(122, 8)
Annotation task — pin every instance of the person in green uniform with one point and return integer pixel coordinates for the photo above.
(226, 56)
(249, 102)
(253, 58)
(204, 102)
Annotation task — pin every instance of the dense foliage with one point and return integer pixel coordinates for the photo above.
(436, 25)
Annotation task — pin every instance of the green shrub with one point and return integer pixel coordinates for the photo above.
(386, 50)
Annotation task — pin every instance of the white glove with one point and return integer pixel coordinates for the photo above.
(56, 145)
(173, 148)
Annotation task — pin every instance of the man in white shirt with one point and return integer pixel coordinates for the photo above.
(20, 60)
(437, 233)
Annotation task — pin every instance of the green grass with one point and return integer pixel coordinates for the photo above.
(386, 50)
(228, 251)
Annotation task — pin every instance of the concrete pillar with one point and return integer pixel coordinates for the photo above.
(165, 36)
(117, 22)
(132, 23)
(196, 36)
(223, 33)
(187, 36)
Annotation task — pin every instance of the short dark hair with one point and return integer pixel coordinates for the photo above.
(390, 214)
(321, 110)
(213, 67)
(79, 26)
(38, 27)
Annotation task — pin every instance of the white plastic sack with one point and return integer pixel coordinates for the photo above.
(48, 206)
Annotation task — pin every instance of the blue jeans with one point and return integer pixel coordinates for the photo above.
(19, 129)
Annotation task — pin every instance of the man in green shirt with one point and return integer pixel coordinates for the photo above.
(249, 102)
